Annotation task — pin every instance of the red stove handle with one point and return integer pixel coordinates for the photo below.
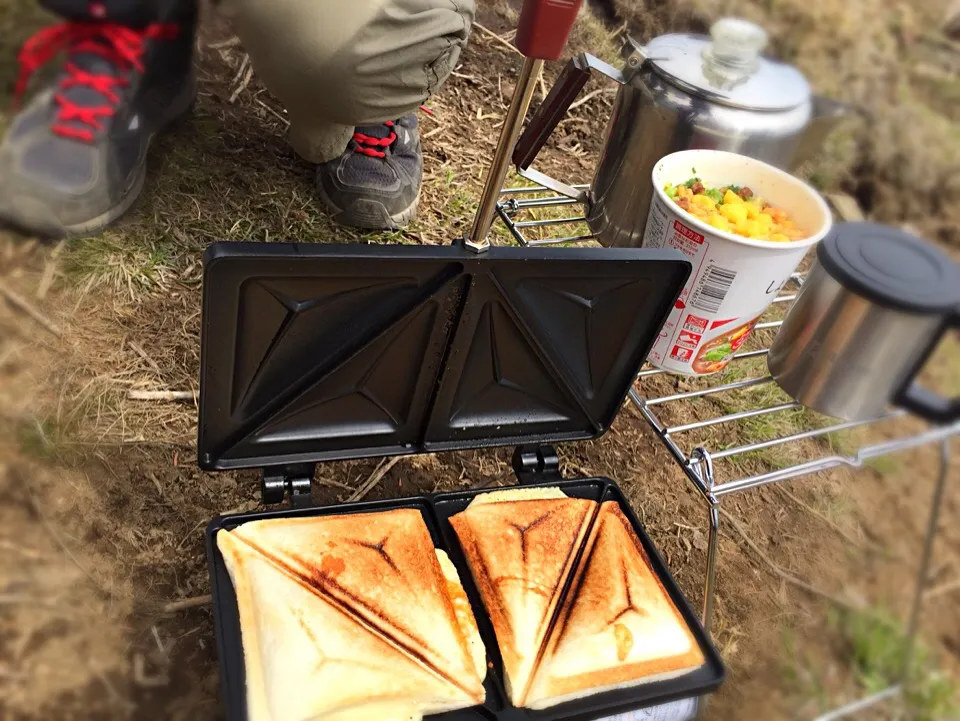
(545, 26)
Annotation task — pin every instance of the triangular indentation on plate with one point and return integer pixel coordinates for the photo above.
(503, 372)
(583, 322)
(302, 325)
(369, 395)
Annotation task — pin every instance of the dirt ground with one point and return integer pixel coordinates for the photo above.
(102, 508)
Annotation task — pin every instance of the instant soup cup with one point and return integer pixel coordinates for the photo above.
(734, 279)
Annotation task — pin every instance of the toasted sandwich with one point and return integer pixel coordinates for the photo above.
(617, 627)
(361, 610)
(521, 546)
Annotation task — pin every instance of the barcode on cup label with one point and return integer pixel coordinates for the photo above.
(713, 288)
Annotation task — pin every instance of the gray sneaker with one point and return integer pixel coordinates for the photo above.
(74, 160)
(375, 184)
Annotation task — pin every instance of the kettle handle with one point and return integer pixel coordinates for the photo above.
(575, 75)
(568, 86)
(925, 403)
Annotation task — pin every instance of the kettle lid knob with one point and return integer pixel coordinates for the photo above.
(737, 44)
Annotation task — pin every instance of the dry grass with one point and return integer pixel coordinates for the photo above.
(129, 304)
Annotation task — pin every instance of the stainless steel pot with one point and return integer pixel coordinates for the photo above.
(871, 312)
(682, 92)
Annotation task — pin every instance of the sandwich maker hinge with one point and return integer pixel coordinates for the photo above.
(536, 464)
(281, 482)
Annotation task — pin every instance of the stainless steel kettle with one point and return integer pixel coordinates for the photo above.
(682, 92)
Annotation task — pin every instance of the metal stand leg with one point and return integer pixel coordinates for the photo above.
(709, 587)
(913, 627)
(923, 576)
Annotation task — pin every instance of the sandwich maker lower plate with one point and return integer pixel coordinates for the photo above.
(436, 510)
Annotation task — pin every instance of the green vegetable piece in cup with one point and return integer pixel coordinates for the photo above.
(718, 353)
(716, 195)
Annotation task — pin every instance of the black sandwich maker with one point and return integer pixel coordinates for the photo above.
(314, 353)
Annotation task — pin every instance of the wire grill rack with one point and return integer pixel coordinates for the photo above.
(532, 209)
(534, 217)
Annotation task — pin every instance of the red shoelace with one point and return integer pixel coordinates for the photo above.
(122, 46)
(368, 145)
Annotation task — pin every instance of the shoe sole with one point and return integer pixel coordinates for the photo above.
(127, 199)
(34, 218)
(367, 214)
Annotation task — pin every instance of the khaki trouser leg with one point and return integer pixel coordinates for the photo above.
(336, 64)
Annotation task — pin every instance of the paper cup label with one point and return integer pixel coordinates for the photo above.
(730, 287)
(683, 710)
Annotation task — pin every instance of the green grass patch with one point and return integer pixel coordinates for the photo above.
(120, 262)
(877, 646)
(45, 440)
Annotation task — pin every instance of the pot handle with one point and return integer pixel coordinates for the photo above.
(923, 402)
(575, 75)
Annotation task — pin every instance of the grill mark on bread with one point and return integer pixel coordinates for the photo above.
(630, 605)
(315, 583)
(379, 548)
(523, 530)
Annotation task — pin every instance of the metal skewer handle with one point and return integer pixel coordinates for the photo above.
(541, 35)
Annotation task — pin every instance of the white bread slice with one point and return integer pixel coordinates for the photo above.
(520, 553)
(618, 628)
(382, 567)
(518, 494)
(465, 617)
(304, 657)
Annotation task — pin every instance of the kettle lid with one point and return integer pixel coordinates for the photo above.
(728, 67)
(891, 267)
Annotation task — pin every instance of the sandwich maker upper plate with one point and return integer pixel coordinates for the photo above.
(324, 352)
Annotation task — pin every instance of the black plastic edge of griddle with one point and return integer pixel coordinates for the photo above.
(704, 680)
(226, 251)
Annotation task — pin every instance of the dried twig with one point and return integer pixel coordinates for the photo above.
(18, 599)
(489, 33)
(161, 395)
(780, 573)
(242, 86)
(942, 589)
(334, 484)
(590, 96)
(135, 347)
(186, 604)
(229, 43)
(273, 112)
(26, 307)
(143, 679)
(374, 479)
(244, 63)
